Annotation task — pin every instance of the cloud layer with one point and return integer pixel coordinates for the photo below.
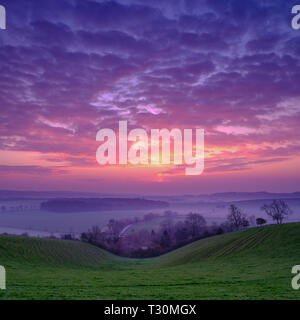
(69, 68)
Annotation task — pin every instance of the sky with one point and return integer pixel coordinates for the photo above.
(70, 68)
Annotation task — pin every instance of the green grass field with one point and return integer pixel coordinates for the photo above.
(250, 264)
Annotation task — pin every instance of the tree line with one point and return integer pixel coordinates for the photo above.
(171, 232)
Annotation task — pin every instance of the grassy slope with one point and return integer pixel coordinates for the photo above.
(250, 264)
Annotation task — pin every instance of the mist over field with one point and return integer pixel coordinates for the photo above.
(21, 212)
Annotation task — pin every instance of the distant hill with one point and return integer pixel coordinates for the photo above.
(228, 197)
(21, 195)
(215, 197)
(236, 196)
(100, 204)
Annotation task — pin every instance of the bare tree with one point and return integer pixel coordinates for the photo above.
(167, 224)
(277, 210)
(165, 240)
(236, 219)
(170, 214)
(195, 222)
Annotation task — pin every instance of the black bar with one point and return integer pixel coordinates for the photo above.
(152, 309)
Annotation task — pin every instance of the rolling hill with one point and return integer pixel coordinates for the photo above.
(250, 264)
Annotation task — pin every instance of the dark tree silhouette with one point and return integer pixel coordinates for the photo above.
(195, 223)
(236, 219)
(181, 235)
(165, 240)
(260, 221)
(277, 210)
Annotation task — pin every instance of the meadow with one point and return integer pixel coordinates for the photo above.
(254, 263)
